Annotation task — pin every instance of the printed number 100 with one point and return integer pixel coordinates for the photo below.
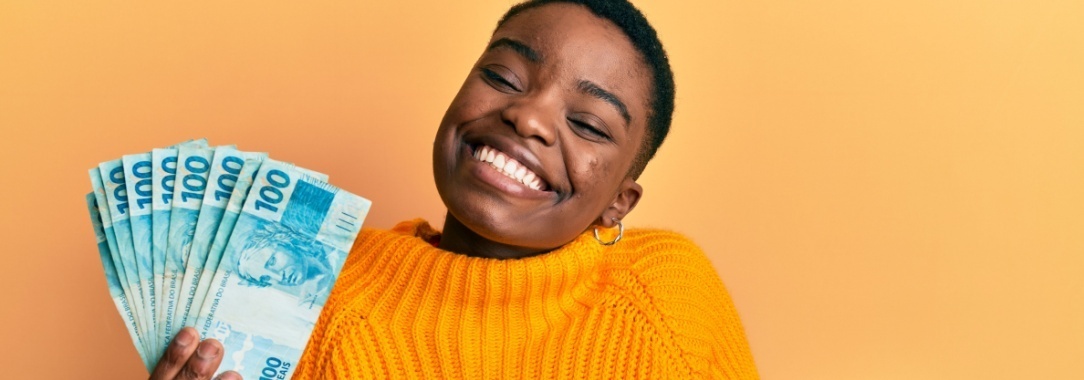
(196, 182)
(271, 196)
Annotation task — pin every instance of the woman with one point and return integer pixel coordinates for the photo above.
(538, 152)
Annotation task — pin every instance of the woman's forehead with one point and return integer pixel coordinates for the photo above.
(569, 39)
(566, 28)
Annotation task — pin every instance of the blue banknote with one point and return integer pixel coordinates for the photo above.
(225, 169)
(138, 182)
(282, 259)
(193, 170)
(112, 277)
(195, 143)
(164, 174)
(233, 211)
(116, 195)
(229, 220)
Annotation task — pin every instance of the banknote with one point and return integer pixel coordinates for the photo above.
(195, 143)
(233, 210)
(193, 169)
(138, 184)
(229, 220)
(102, 226)
(225, 168)
(229, 217)
(164, 174)
(277, 270)
(112, 174)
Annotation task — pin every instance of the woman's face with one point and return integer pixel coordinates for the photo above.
(537, 145)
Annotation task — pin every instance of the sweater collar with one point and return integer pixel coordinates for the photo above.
(570, 275)
(581, 253)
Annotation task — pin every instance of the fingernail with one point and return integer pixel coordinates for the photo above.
(207, 350)
(185, 338)
(228, 375)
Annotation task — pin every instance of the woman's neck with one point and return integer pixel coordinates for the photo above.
(460, 239)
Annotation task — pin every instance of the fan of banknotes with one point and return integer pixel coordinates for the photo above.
(242, 247)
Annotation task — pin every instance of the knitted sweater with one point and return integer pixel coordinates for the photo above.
(648, 307)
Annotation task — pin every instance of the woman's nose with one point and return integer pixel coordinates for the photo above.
(534, 116)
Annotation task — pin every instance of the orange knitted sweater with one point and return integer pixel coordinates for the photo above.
(648, 307)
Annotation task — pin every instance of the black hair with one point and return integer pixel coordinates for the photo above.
(646, 41)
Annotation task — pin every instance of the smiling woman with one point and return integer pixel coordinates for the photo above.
(540, 149)
(546, 95)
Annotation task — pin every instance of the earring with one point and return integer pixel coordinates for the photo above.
(620, 233)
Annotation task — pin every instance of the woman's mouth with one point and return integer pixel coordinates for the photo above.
(509, 167)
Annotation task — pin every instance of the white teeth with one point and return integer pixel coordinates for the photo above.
(510, 167)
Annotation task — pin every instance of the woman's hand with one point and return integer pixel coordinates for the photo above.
(189, 359)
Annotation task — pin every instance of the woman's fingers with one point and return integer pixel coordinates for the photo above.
(189, 359)
(177, 354)
(204, 363)
(228, 375)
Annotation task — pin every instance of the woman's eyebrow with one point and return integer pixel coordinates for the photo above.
(518, 47)
(593, 89)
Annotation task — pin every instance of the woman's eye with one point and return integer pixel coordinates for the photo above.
(271, 261)
(498, 79)
(588, 128)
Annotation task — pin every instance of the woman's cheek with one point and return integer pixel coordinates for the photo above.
(478, 100)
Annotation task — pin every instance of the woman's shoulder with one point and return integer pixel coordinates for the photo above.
(687, 298)
(671, 270)
(667, 264)
(660, 249)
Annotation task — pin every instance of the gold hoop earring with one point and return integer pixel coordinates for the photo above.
(620, 233)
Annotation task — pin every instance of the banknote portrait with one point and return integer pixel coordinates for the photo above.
(183, 236)
(277, 256)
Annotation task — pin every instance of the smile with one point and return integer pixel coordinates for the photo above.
(509, 167)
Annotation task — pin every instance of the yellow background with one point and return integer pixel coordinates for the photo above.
(891, 190)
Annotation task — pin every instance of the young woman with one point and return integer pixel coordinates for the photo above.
(533, 276)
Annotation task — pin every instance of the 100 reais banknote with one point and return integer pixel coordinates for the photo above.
(195, 235)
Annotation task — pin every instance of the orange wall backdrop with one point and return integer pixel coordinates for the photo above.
(891, 190)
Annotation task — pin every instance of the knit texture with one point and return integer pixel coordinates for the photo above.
(649, 307)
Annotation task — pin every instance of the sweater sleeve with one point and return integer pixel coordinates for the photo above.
(693, 307)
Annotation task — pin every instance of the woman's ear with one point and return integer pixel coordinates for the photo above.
(628, 195)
